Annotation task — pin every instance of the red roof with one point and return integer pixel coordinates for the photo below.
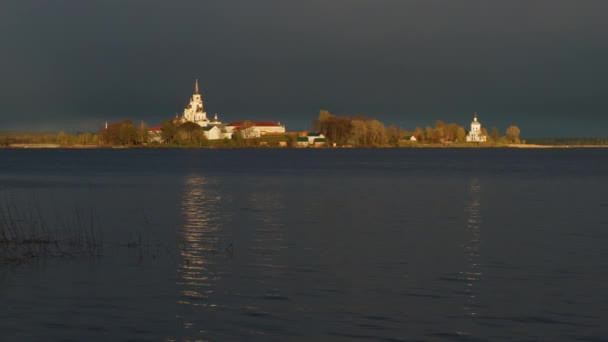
(155, 128)
(255, 123)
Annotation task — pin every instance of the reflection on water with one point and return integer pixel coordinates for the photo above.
(329, 245)
(202, 238)
(217, 284)
(472, 275)
(268, 240)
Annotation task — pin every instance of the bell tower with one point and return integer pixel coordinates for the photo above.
(195, 111)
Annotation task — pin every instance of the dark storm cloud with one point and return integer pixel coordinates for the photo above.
(75, 64)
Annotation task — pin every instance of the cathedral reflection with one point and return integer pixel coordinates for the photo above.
(472, 274)
(200, 238)
(213, 281)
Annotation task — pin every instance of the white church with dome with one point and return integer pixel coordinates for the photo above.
(213, 129)
(195, 111)
(475, 134)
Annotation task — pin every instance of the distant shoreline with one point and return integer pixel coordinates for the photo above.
(441, 146)
(554, 146)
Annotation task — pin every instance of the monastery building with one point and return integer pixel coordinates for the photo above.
(475, 133)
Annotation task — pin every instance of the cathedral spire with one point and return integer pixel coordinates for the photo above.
(196, 86)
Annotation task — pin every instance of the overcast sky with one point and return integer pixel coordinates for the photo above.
(73, 64)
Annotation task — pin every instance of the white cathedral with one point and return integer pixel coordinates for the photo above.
(195, 112)
(475, 133)
(213, 129)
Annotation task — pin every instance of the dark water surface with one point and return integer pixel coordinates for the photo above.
(300, 245)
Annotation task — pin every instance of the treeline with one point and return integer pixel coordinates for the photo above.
(357, 131)
(61, 138)
(186, 134)
(118, 133)
(123, 133)
(127, 133)
(569, 141)
(340, 131)
(360, 131)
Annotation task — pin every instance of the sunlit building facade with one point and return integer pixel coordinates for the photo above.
(195, 110)
(475, 134)
(255, 129)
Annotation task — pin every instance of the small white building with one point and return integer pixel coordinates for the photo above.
(302, 142)
(212, 132)
(155, 134)
(475, 133)
(313, 136)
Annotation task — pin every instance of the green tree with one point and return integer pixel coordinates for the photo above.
(238, 139)
(291, 140)
(168, 131)
(495, 134)
(451, 131)
(394, 135)
(84, 139)
(513, 134)
(127, 133)
(189, 133)
(324, 115)
(439, 131)
(376, 133)
(461, 134)
(429, 134)
(62, 138)
(337, 130)
(119, 133)
(142, 133)
(104, 136)
(200, 138)
(358, 133)
(419, 133)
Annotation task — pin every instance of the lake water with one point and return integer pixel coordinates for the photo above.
(301, 245)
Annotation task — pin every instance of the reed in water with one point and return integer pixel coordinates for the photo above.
(25, 235)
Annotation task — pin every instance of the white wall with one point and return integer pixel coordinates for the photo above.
(271, 129)
(213, 134)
